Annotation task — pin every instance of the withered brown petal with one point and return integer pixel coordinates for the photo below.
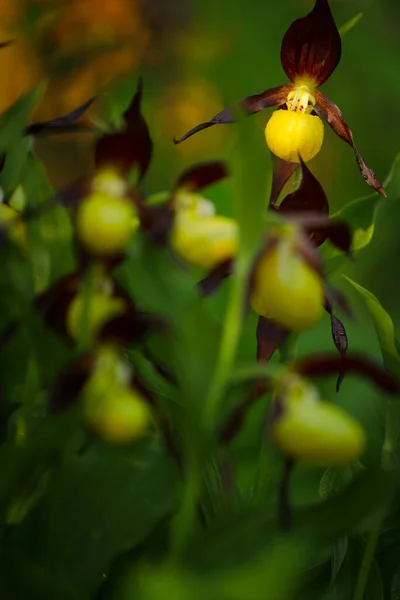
(132, 147)
(270, 336)
(65, 124)
(202, 175)
(312, 46)
(323, 365)
(309, 196)
(250, 105)
(281, 172)
(331, 113)
(341, 342)
(215, 277)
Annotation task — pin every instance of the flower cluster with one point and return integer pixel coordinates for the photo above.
(287, 286)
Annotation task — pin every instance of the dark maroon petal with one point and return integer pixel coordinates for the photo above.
(157, 221)
(200, 176)
(282, 170)
(311, 47)
(72, 194)
(309, 196)
(129, 327)
(66, 124)
(132, 147)
(67, 388)
(323, 365)
(250, 105)
(270, 336)
(328, 111)
(214, 279)
(337, 232)
(55, 301)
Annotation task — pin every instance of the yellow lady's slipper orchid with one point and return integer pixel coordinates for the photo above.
(310, 52)
(286, 288)
(199, 236)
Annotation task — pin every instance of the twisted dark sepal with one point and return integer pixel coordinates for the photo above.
(250, 105)
(130, 148)
(340, 340)
(65, 124)
(311, 47)
(331, 113)
(323, 365)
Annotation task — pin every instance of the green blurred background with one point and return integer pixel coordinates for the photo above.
(195, 59)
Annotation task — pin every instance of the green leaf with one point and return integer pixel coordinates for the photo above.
(392, 183)
(14, 120)
(383, 326)
(389, 345)
(13, 142)
(249, 185)
(333, 480)
(360, 215)
(350, 24)
(167, 289)
(101, 504)
(243, 537)
(275, 575)
(374, 588)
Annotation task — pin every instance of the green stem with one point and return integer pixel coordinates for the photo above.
(264, 474)
(229, 342)
(367, 561)
(184, 523)
(263, 478)
(84, 332)
(182, 526)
